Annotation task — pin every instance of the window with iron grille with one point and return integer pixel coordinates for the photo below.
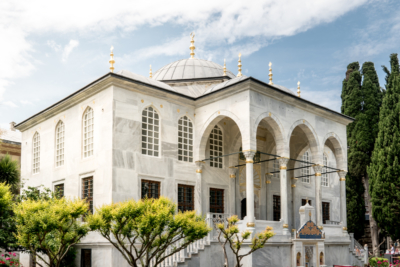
(277, 207)
(306, 171)
(59, 190)
(216, 200)
(60, 144)
(325, 178)
(36, 153)
(304, 201)
(88, 124)
(150, 132)
(86, 258)
(150, 189)
(185, 197)
(216, 147)
(185, 139)
(325, 212)
(87, 192)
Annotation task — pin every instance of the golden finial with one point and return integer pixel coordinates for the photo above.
(150, 73)
(270, 73)
(192, 47)
(224, 67)
(240, 66)
(298, 89)
(112, 61)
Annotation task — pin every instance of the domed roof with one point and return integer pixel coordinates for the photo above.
(191, 68)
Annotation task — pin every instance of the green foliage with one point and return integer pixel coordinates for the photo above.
(9, 171)
(153, 223)
(384, 170)
(378, 262)
(230, 233)
(50, 226)
(8, 241)
(355, 206)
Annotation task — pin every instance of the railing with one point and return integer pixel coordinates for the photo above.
(213, 219)
(359, 250)
(332, 222)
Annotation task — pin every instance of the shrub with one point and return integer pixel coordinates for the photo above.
(9, 259)
(378, 262)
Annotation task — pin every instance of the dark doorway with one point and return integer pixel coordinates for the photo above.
(244, 213)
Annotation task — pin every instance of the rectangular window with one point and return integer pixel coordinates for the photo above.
(150, 189)
(216, 200)
(86, 258)
(325, 177)
(185, 197)
(277, 208)
(216, 147)
(304, 201)
(59, 190)
(325, 212)
(305, 167)
(87, 192)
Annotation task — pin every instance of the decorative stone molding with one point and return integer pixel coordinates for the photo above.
(199, 166)
(318, 169)
(285, 226)
(249, 154)
(232, 172)
(342, 175)
(268, 177)
(294, 181)
(250, 224)
(283, 162)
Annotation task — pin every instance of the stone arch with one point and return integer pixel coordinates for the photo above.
(298, 259)
(321, 258)
(312, 139)
(205, 131)
(156, 109)
(338, 150)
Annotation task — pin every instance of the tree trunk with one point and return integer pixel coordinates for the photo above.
(372, 223)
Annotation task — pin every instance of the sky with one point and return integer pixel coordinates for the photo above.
(51, 49)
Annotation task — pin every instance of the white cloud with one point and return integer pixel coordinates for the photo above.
(26, 102)
(218, 24)
(329, 98)
(56, 47)
(9, 104)
(68, 49)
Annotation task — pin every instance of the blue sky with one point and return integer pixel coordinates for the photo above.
(51, 49)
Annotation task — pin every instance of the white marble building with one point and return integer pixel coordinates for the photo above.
(124, 136)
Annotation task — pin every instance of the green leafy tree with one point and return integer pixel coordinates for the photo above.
(50, 226)
(9, 171)
(143, 230)
(7, 223)
(384, 170)
(229, 234)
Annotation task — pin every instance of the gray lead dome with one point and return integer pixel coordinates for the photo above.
(191, 68)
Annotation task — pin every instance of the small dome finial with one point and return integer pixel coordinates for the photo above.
(270, 73)
(298, 89)
(239, 66)
(150, 73)
(112, 61)
(224, 67)
(192, 47)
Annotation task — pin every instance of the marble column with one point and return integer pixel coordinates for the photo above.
(318, 194)
(250, 190)
(198, 188)
(343, 208)
(284, 194)
(269, 198)
(232, 188)
(294, 208)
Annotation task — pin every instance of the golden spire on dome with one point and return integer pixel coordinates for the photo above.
(224, 67)
(270, 73)
(112, 61)
(240, 66)
(192, 47)
(150, 73)
(298, 89)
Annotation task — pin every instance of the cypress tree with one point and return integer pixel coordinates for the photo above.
(384, 170)
(350, 68)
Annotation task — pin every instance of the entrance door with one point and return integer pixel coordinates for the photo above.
(244, 213)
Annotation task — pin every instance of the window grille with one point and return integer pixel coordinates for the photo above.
(88, 125)
(87, 192)
(185, 197)
(306, 171)
(150, 189)
(325, 212)
(216, 200)
(59, 190)
(325, 178)
(36, 153)
(150, 132)
(185, 139)
(277, 207)
(216, 145)
(60, 144)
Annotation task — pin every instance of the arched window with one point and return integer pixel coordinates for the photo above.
(185, 139)
(60, 144)
(325, 178)
(88, 124)
(36, 153)
(305, 171)
(216, 145)
(150, 132)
